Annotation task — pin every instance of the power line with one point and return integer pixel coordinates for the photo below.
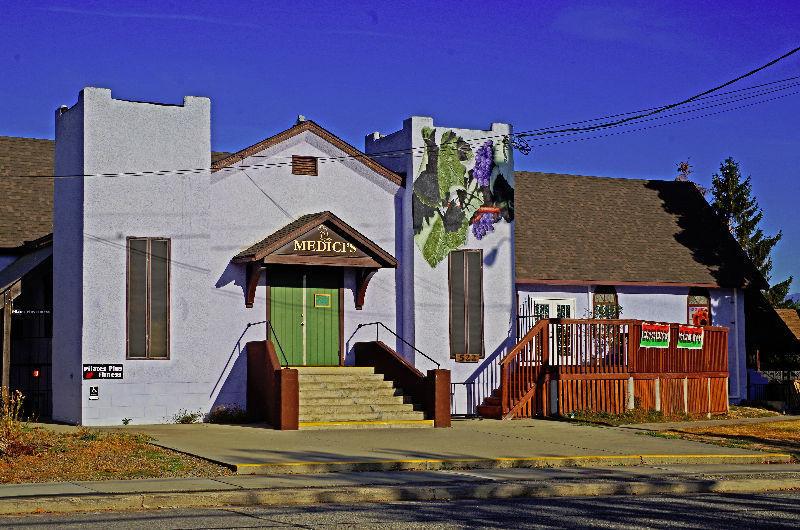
(665, 124)
(541, 133)
(672, 105)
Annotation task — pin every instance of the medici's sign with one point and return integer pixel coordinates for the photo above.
(654, 335)
(322, 241)
(690, 337)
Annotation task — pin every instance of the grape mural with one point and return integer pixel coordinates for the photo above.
(448, 198)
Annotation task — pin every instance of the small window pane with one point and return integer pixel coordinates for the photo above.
(159, 298)
(137, 298)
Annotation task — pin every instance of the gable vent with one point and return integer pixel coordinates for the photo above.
(304, 165)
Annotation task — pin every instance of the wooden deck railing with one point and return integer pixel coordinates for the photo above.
(522, 371)
(598, 364)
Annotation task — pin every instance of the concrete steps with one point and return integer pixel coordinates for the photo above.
(353, 398)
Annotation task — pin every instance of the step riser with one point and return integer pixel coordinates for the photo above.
(354, 400)
(367, 416)
(319, 410)
(423, 425)
(350, 394)
(336, 370)
(336, 378)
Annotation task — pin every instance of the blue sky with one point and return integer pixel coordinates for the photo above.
(357, 67)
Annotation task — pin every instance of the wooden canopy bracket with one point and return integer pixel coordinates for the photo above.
(252, 275)
(363, 276)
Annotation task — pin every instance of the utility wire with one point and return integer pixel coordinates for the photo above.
(542, 133)
(672, 105)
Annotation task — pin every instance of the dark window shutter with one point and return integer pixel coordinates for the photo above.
(458, 314)
(304, 165)
(137, 298)
(465, 278)
(474, 302)
(148, 298)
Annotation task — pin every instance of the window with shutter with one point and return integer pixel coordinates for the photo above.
(698, 305)
(465, 279)
(605, 302)
(148, 298)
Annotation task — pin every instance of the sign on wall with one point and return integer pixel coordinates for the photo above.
(102, 371)
(690, 337)
(654, 335)
(322, 241)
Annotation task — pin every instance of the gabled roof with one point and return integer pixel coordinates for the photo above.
(577, 229)
(306, 223)
(26, 203)
(791, 319)
(308, 126)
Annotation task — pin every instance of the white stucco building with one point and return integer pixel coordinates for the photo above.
(165, 264)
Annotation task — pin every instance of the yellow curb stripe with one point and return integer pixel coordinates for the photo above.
(379, 422)
(762, 456)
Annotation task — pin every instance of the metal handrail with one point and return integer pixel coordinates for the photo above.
(379, 325)
(270, 328)
(278, 342)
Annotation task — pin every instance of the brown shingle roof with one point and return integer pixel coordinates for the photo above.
(574, 228)
(326, 135)
(791, 319)
(26, 203)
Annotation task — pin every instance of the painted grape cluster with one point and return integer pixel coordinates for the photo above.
(448, 198)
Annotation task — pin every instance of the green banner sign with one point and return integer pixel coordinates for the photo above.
(690, 337)
(654, 335)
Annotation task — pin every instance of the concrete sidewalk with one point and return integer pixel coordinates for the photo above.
(469, 444)
(349, 488)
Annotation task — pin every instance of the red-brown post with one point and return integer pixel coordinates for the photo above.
(439, 388)
(288, 400)
(505, 405)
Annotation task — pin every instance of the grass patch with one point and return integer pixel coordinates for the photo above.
(637, 415)
(781, 436)
(35, 454)
(85, 454)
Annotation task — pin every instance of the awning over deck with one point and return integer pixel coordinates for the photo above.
(320, 239)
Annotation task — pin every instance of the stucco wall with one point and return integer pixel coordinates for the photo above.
(68, 264)
(426, 315)
(243, 214)
(123, 136)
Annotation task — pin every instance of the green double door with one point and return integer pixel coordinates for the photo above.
(304, 311)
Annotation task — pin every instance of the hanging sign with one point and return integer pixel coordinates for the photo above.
(102, 371)
(690, 337)
(654, 335)
(322, 241)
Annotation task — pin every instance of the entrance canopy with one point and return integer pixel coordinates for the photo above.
(318, 239)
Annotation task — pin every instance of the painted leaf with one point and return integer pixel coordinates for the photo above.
(438, 242)
(450, 167)
(426, 185)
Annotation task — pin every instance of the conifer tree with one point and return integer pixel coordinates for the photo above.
(734, 202)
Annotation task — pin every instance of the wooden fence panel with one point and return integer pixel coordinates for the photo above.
(644, 394)
(593, 395)
(698, 399)
(719, 395)
(672, 396)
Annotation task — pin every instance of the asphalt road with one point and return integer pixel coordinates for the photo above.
(691, 511)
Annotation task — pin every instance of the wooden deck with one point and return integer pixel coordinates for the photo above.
(566, 365)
